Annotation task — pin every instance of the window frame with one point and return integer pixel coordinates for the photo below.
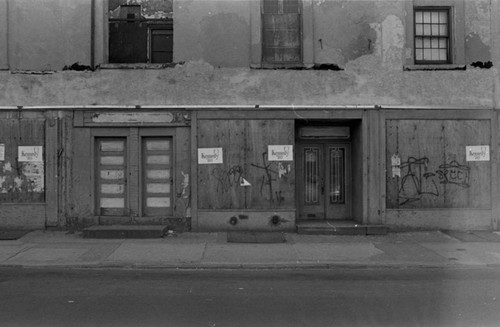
(306, 37)
(449, 46)
(163, 26)
(283, 64)
(456, 59)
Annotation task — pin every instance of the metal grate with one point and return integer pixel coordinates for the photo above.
(312, 175)
(337, 175)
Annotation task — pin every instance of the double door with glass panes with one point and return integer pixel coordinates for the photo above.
(324, 188)
(133, 174)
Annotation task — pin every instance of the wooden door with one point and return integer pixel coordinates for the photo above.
(324, 188)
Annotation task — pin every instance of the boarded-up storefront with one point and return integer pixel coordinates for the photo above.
(247, 187)
(431, 178)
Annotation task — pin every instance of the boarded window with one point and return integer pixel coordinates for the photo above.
(281, 33)
(427, 166)
(246, 179)
(22, 180)
(161, 45)
(111, 176)
(432, 35)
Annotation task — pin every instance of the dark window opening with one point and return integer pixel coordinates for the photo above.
(140, 33)
(281, 33)
(432, 36)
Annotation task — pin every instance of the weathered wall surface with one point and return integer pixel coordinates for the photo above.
(346, 30)
(4, 63)
(48, 34)
(217, 32)
(478, 31)
(197, 83)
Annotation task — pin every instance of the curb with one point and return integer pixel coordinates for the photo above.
(247, 266)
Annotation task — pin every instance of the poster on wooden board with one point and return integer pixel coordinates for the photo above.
(210, 156)
(477, 153)
(30, 153)
(280, 152)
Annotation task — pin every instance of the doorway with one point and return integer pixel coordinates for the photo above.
(133, 174)
(324, 185)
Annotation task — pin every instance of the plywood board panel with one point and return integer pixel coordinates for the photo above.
(21, 182)
(434, 173)
(218, 184)
(273, 182)
(182, 196)
(246, 179)
(80, 175)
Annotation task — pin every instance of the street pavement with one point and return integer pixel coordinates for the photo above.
(213, 251)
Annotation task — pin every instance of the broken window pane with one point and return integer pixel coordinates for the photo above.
(140, 32)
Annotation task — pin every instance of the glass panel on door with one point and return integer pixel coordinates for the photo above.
(111, 176)
(323, 185)
(337, 175)
(312, 175)
(157, 176)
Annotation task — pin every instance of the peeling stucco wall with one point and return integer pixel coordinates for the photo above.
(48, 34)
(478, 30)
(217, 32)
(4, 64)
(199, 83)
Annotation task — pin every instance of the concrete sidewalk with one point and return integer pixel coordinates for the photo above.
(211, 250)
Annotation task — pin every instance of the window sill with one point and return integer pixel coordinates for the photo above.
(434, 67)
(139, 66)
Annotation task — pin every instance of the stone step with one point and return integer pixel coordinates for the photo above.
(125, 231)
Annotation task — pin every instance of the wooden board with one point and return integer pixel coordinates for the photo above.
(434, 170)
(245, 144)
(21, 182)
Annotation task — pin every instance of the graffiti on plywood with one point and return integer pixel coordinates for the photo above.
(418, 180)
(272, 173)
(454, 173)
(227, 178)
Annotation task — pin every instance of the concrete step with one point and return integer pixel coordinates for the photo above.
(339, 228)
(125, 231)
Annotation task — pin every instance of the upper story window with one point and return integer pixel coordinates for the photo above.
(140, 33)
(281, 33)
(432, 35)
(435, 34)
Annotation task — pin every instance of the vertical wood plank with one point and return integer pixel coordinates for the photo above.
(392, 148)
(273, 183)
(183, 187)
(80, 179)
(52, 142)
(134, 198)
(194, 171)
(479, 193)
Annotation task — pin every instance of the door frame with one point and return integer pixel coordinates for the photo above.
(324, 145)
(133, 198)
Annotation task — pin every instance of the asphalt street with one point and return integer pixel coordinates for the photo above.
(275, 297)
